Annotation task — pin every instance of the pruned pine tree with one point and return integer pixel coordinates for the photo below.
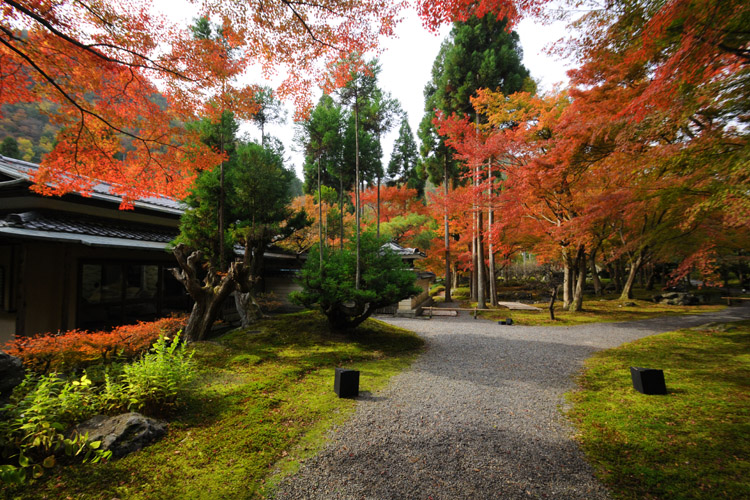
(258, 195)
(384, 280)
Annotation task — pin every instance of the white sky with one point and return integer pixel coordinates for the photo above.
(406, 63)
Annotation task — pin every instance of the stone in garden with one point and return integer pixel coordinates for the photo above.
(677, 299)
(124, 433)
(346, 383)
(12, 373)
(716, 327)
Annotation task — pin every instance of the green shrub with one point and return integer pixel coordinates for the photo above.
(32, 428)
(152, 384)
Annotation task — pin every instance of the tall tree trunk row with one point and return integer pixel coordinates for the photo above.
(448, 280)
(356, 182)
(491, 255)
(594, 274)
(567, 278)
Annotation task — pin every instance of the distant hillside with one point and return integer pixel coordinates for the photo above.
(27, 124)
(31, 129)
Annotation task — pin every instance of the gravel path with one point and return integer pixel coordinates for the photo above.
(475, 417)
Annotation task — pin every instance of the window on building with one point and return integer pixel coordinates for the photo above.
(115, 293)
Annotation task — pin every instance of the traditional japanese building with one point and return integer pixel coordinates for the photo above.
(81, 262)
(413, 305)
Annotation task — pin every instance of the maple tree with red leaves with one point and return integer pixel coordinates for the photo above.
(644, 151)
(123, 81)
(394, 201)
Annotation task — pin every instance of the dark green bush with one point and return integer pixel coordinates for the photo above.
(384, 281)
(33, 424)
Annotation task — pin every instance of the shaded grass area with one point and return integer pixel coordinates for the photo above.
(596, 310)
(263, 401)
(694, 442)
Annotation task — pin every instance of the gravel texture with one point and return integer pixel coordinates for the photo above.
(476, 417)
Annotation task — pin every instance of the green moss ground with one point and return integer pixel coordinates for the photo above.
(694, 442)
(596, 310)
(263, 401)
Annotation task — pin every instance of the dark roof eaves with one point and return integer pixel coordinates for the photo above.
(7, 168)
(83, 239)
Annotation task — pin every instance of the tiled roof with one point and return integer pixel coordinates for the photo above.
(18, 169)
(80, 225)
(413, 253)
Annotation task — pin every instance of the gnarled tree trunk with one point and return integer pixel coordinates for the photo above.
(248, 274)
(247, 307)
(551, 306)
(208, 293)
(594, 274)
(568, 277)
(342, 319)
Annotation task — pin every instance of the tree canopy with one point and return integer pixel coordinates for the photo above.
(404, 162)
(642, 159)
(98, 64)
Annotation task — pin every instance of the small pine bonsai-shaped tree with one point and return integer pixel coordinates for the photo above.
(384, 280)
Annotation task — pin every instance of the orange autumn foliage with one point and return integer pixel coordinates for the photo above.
(435, 13)
(121, 81)
(643, 156)
(77, 349)
(394, 201)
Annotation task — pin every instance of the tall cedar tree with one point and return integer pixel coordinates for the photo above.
(379, 117)
(357, 90)
(479, 53)
(270, 110)
(257, 199)
(328, 135)
(324, 137)
(402, 167)
(320, 136)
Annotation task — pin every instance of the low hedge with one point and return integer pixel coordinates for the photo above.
(75, 350)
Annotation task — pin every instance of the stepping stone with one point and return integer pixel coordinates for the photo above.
(517, 306)
(442, 312)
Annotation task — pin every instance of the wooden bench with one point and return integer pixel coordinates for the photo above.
(730, 299)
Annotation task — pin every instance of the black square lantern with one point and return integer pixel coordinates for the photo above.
(648, 380)
(346, 383)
